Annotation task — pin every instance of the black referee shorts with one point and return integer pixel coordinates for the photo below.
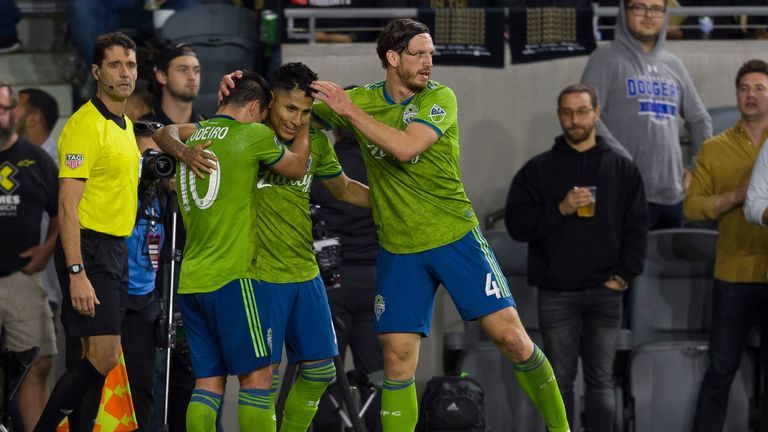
(105, 258)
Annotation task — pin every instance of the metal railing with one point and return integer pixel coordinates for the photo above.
(313, 14)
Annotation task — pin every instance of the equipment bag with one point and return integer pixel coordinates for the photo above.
(452, 403)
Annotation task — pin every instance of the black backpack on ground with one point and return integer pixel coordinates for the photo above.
(452, 403)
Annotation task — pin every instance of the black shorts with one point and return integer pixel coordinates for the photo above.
(105, 259)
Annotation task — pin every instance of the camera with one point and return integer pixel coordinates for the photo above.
(327, 250)
(157, 165)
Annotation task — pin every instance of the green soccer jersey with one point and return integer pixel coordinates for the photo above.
(419, 204)
(219, 210)
(283, 226)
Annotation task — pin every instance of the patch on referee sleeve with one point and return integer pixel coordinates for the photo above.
(73, 160)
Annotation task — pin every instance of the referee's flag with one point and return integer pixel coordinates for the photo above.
(116, 413)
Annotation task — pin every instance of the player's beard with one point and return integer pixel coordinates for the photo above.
(409, 80)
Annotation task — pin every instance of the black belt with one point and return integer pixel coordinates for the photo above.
(92, 233)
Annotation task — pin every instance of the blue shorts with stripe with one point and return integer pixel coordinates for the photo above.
(407, 284)
(301, 318)
(227, 329)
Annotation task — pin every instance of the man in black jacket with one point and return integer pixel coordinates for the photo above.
(580, 263)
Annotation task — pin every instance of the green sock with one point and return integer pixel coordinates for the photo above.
(538, 381)
(256, 411)
(202, 410)
(399, 406)
(301, 405)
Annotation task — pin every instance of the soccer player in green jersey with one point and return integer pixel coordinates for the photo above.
(408, 128)
(285, 263)
(226, 317)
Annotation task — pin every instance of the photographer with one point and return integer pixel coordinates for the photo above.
(139, 329)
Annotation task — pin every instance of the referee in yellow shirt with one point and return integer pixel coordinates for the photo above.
(99, 178)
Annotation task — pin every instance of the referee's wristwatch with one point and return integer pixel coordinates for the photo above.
(75, 269)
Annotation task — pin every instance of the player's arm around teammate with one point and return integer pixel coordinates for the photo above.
(292, 165)
(348, 190)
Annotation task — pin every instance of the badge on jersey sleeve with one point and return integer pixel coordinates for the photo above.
(73, 160)
(437, 113)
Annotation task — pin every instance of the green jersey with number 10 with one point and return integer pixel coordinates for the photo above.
(219, 210)
(419, 204)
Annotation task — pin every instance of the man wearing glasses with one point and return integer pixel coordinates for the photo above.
(586, 230)
(642, 89)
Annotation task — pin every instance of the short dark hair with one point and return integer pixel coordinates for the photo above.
(292, 76)
(250, 87)
(169, 53)
(579, 88)
(11, 92)
(108, 40)
(396, 36)
(751, 66)
(43, 103)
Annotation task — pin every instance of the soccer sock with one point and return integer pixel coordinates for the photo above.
(202, 411)
(399, 406)
(301, 405)
(256, 410)
(538, 381)
(68, 394)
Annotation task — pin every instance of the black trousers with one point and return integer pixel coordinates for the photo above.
(139, 348)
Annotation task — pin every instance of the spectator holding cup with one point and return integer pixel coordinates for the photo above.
(581, 253)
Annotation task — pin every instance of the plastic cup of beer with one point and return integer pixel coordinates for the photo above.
(589, 209)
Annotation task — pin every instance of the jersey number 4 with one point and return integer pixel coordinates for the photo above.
(491, 288)
(188, 185)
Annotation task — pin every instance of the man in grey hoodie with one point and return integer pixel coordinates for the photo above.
(642, 89)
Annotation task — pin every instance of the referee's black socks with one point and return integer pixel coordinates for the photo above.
(68, 394)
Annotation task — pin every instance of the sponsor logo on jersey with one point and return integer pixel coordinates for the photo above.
(453, 407)
(410, 111)
(7, 182)
(73, 160)
(25, 163)
(437, 113)
(262, 184)
(379, 306)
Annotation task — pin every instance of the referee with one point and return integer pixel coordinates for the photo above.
(99, 172)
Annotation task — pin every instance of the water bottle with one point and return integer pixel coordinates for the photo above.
(706, 25)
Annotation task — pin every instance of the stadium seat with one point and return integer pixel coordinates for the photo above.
(672, 298)
(664, 381)
(224, 37)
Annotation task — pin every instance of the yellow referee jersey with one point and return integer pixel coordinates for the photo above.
(95, 147)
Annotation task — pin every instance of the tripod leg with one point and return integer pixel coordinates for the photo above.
(288, 377)
(352, 405)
